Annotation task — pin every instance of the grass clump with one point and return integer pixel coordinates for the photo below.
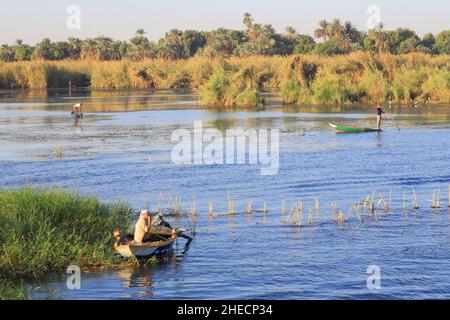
(219, 91)
(290, 92)
(11, 291)
(249, 98)
(47, 230)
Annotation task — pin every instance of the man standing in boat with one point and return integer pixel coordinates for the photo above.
(142, 231)
(76, 110)
(380, 111)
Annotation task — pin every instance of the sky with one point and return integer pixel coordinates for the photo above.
(32, 20)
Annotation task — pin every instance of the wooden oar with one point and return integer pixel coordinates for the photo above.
(189, 239)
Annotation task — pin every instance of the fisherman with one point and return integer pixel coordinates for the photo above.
(76, 110)
(143, 228)
(380, 111)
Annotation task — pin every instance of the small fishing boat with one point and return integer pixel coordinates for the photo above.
(159, 244)
(342, 129)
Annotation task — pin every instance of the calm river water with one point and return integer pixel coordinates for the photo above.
(121, 150)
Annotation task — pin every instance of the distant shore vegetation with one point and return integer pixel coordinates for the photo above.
(232, 67)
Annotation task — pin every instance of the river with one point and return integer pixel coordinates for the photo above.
(121, 150)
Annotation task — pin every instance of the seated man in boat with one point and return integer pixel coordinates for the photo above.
(380, 111)
(143, 228)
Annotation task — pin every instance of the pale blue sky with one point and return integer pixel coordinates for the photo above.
(33, 20)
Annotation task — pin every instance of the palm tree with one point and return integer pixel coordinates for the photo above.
(291, 33)
(256, 32)
(140, 32)
(89, 49)
(350, 36)
(335, 30)
(74, 48)
(248, 20)
(381, 38)
(323, 31)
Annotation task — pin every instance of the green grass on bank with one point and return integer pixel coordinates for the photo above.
(46, 230)
(11, 291)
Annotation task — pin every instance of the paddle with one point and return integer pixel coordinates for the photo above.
(180, 233)
(189, 239)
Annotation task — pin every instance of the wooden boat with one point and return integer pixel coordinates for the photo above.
(159, 244)
(342, 129)
(76, 116)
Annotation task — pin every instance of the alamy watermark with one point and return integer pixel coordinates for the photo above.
(235, 146)
(73, 281)
(374, 278)
(374, 19)
(74, 18)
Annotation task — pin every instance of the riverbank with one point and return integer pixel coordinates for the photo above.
(47, 230)
(227, 82)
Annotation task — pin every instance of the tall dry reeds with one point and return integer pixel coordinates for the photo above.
(227, 82)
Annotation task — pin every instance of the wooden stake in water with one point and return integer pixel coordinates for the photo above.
(310, 219)
(335, 208)
(300, 213)
(250, 207)
(231, 204)
(390, 199)
(439, 198)
(317, 208)
(341, 218)
(415, 203)
(194, 208)
(265, 212)
(435, 202)
(210, 207)
(159, 202)
(404, 201)
(449, 195)
(59, 152)
(357, 213)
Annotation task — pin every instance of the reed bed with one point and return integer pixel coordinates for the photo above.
(229, 82)
(374, 207)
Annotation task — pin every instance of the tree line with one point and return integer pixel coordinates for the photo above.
(330, 38)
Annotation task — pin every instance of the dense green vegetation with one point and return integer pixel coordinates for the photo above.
(45, 230)
(256, 39)
(227, 82)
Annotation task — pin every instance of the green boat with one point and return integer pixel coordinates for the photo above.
(342, 129)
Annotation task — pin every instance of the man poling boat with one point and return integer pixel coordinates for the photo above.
(76, 111)
(380, 112)
(355, 129)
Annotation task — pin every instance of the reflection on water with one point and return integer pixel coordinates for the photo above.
(119, 155)
(137, 277)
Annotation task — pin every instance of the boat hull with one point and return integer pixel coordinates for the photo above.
(131, 251)
(128, 249)
(342, 129)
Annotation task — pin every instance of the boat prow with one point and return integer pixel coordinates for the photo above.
(343, 129)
